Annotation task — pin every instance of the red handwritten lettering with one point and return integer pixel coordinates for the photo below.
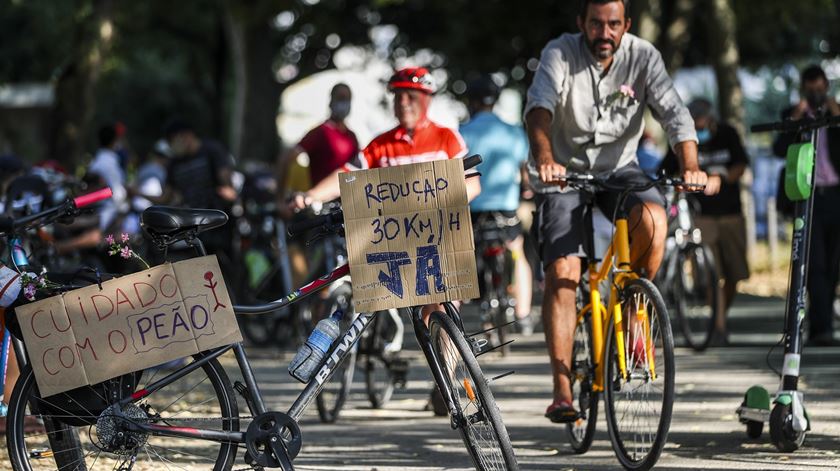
(124, 299)
(85, 346)
(69, 322)
(174, 285)
(82, 310)
(99, 314)
(72, 357)
(32, 324)
(111, 341)
(44, 361)
(147, 290)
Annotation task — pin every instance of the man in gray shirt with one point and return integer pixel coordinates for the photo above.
(585, 114)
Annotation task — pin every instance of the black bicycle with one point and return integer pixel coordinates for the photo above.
(688, 277)
(190, 414)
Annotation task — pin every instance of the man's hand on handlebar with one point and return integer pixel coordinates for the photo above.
(694, 181)
(300, 201)
(550, 172)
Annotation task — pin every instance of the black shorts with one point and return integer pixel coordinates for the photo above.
(504, 225)
(559, 225)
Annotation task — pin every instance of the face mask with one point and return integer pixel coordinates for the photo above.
(704, 135)
(340, 109)
(816, 100)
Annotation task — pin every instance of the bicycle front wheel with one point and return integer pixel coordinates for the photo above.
(102, 441)
(379, 379)
(480, 422)
(696, 295)
(639, 405)
(331, 399)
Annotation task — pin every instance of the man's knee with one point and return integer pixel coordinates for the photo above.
(563, 273)
(649, 219)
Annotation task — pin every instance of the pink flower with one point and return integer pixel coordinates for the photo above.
(124, 237)
(627, 90)
(29, 292)
(110, 239)
(125, 252)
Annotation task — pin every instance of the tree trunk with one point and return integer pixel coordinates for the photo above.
(74, 107)
(677, 35)
(233, 31)
(646, 15)
(723, 47)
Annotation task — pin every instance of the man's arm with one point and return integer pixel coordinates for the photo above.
(538, 123)
(283, 163)
(689, 167)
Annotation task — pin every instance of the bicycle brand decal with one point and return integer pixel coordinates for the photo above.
(343, 347)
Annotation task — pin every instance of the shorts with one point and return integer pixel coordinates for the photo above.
(559, 221)
(504, 225)
(727, 237)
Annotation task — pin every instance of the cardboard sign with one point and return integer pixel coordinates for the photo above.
(137, 321)
(409, 235)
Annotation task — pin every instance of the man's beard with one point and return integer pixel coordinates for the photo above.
(602, 53)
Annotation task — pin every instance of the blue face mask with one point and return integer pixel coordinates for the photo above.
(704, 135)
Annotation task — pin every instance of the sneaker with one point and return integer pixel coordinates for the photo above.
(526, 325)
(436, 403)
(561, 412)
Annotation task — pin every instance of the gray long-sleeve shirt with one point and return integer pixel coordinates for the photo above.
(596, 128)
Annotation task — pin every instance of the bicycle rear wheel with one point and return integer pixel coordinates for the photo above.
(331, 399)
(202, 398)
(639, 407)
(582, 431)
(480, 424)
(696, 295)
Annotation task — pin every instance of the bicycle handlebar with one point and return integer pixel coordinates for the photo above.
(69, 207)
(582, 179)
(805, 124)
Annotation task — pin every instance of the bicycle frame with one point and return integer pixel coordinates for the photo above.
(616, 264)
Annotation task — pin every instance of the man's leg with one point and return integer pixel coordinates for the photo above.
(648, 228)
(558, 314)
(523, 278)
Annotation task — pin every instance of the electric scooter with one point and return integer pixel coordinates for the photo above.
(788, 419)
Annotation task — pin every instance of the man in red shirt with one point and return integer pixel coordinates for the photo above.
(330, 145)
(415, 139)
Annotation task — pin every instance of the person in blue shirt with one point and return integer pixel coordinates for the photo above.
(504, 149)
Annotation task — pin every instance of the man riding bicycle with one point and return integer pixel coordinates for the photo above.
(585, 114)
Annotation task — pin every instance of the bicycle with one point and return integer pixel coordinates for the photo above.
(624, 350)
(133, 414)
(495, 266)
(688, 277)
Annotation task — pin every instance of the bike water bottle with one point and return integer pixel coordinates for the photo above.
(310, 354)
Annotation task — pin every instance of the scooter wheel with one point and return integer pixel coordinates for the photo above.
(754, 428)
(782, 434)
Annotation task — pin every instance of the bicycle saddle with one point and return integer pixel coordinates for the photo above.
(169, 221)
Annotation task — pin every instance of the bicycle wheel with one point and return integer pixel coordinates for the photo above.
(639, 408)
(481, 426)
(582, 431)
(203, 398)
(696, 295)
(379, 379)
(334, 394)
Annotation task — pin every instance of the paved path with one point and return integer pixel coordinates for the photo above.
(705, 433)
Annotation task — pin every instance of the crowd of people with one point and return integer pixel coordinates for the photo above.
(584, 113)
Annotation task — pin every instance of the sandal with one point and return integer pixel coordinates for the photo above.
(561, 412)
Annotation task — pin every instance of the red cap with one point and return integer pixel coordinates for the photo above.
(416, 78)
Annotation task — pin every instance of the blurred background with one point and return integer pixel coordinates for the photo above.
(255, 74)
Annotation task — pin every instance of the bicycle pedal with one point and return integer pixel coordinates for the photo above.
(478, 345)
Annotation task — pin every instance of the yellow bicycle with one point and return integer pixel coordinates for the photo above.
(623, 346)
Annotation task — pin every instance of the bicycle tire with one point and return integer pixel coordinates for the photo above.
(637, 450)
(697, 295)
(28, 452)
(330, 401)
(467, 385)
(582, 431)
(379, 379)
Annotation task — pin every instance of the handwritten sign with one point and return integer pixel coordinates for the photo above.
(409, 235)
(137, 321)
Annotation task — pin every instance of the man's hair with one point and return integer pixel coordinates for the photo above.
(584, 5)
(339, 86)
(812, 73)
(107, 135)
(176, 126)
